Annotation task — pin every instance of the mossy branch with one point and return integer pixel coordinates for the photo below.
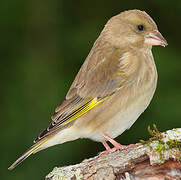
(157, 158)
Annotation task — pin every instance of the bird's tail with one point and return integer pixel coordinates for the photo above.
(33, 149)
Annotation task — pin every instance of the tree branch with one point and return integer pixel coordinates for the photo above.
(157, 158)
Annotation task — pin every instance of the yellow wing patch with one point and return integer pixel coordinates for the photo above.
(83, 109)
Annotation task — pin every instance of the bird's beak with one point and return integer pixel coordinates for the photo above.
(155, 38)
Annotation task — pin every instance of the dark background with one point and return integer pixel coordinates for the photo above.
(43, 44)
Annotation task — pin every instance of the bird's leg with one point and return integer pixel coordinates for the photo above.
(117, 145)
(114, 143)
(108, 149)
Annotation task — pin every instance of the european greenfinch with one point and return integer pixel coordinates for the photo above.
(112, 88)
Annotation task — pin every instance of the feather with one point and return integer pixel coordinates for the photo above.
(67, 119)
(26, 154)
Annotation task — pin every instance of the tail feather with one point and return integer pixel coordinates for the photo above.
(33, 149)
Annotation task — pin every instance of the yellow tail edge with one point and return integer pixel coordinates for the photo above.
(27, 153)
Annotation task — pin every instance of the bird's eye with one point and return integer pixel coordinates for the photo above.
(140, 27)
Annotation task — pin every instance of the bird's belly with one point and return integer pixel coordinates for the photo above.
(123, 120)
(115, 118)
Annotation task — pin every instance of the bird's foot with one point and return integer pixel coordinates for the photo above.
(130, 146)
(108, 149)
(116, 145)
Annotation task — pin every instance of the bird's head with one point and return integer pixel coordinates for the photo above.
(133, 29)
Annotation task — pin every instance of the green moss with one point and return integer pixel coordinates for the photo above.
(173, 143)
(160, 149)
(160, 142)
(156, 135)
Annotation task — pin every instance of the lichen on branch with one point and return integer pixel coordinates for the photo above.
(160, 156)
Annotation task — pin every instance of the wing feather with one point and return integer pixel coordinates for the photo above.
(96, 81)
(68, 119)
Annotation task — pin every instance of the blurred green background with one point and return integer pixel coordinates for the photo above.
(43, 44)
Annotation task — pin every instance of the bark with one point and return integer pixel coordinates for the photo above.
(158, 158)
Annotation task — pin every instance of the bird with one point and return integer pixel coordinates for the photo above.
(112, 89)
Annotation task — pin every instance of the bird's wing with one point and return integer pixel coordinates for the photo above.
(98, 78)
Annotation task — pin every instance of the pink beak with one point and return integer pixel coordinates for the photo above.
(155, 38)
